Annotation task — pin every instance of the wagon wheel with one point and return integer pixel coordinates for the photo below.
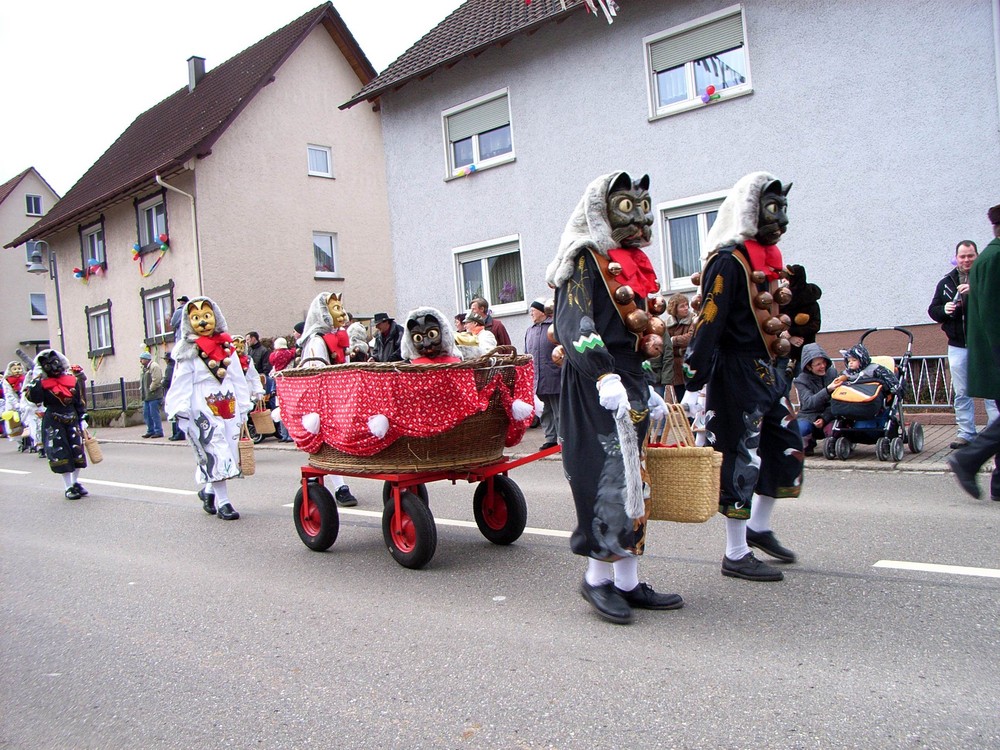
(316, 517)
(896, 448)
(844, 448)
(915, 437)
(830, 448)
(882, 449)
(501, 513)
(421, 490)
(254, 435)
(413, 541)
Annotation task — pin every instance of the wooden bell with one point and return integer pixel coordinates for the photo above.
(785, 320)
(773, 326)
(651, 345)
(656, 304)
(213, 364)
(696, 278)
(624, 294)
(757, 277)
(226, 362)
(763, 301)
(696, 303)
(222, 372)
(559, 355)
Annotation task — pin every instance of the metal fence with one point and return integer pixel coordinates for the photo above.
(121, 394)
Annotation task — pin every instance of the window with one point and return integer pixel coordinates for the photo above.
(686, 60)
(320, 161)
(92, 244)
(99, 332)
(33, 205)
(491, 270)
(157, 309)
(685, 226)
(477, 133)
(38, 309)
(325, 255)
(151, 216)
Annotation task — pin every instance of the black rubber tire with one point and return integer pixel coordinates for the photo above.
(843, 448)
(882, 449)
(915, 437)
(896, 449)
(421, 492)
(830, 448)
(501, 517)
(318, 531)
(254, 435)
(416, 545)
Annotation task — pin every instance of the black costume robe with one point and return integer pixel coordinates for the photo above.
(61, 431)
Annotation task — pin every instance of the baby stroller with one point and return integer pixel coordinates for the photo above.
(864, 412)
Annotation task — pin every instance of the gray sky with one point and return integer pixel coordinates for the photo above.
(75, 73)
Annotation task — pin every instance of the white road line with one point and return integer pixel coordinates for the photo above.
(146, 487)
(957, 570)
(13, 471)
(449, 522)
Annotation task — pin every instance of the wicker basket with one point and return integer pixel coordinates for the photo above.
(477, 440)
(93, 448)
(683, 479)
(248, 464)
(262, 420)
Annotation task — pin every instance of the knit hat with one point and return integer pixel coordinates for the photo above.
(299, 327)
(994, 214)
(474, 317)
(538, 305)
(145, 355)
(280, 343)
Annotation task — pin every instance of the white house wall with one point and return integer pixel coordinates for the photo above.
(884, 115)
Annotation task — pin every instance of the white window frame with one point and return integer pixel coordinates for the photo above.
(158, 308)
(149, 205)
(483, 251)
(31, 306)
(29, 199)
(86, 236)
(101, 334)
(451, 171)
(655, 110)
(698, 205)
(335, 274)
(329, 160)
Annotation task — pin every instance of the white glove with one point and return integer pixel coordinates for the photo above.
(692, 404)
(657, 406)
(612, 394)
(83, 425)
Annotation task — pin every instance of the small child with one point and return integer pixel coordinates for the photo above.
(860, 369)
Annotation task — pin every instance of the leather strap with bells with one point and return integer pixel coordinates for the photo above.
(764, 299)
(218, 369)
(638, 322)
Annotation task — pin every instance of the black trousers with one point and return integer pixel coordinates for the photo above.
(976, 453)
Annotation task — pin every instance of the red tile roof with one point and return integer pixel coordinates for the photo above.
(187, 123)
(470, 29)
(8, 187)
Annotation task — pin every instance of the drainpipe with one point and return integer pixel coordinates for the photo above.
(194, 229)
(996, 49)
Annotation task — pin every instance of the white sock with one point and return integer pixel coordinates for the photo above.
(760, 513)
(626, 573)
(736, 538)
(336, 481)
(598, 572)
(68, 479)
(221, 493)
(76, 475)
(209, 490)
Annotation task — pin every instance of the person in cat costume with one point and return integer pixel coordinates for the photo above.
(54, 387)
(10, 404)
(427, 338)
(740, 349)
(210, 400)
(606, 402)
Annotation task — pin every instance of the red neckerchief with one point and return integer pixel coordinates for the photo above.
(336, 342)
(444, 359)
(766, 258)
(213, 346)
(15, 382)
(61, 387)
(245, 361)
(637, 271)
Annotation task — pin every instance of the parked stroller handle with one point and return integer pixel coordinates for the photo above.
(909, 346)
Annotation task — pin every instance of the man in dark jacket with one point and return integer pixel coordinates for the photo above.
(814, 385)
(948, 308)
(258, 352)
(388, 339)
(547, 374)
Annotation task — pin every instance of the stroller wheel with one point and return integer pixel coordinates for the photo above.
(830, 448)
(896, 446)
(915, 437)
(844, 448)
(882, 449)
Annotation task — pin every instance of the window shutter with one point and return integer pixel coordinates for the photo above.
(693, 44)
(486, 116)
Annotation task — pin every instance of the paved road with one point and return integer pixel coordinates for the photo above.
(132, 619)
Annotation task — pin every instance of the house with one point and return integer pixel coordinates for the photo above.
(24, 304)
(497, 119)
(247, 185)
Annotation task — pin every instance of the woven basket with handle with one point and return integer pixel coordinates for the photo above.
(248, 464)
(93, 448)
(683, 479)
(262, 420)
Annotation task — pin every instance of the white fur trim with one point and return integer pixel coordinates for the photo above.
(635, 506)
(539, 406)
(737, 218)
(378, 425)
(186, 348)
(521, 409)
(310, 422)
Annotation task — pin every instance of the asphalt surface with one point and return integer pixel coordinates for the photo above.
(133, 619)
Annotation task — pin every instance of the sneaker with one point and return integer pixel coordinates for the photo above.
(228, 513)
(344, 497)
(643, 597)
(750, 568)
(958, 443)
(81, 490)
(608, 601)
(207, 501)
(72, 494)
(768, 542)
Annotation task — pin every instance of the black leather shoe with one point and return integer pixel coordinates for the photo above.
(643, 597)
(958, 443)
(768, 542)
(344, 497)
(608, 601)
(176, 437)
(227, 512)
(750, 568)
(546, 446)
(80, 489)
(148, 435)
(207, 501)
(72, 494)
(966, 479)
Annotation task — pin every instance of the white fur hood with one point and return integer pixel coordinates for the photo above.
(186, 348)
(737, 219)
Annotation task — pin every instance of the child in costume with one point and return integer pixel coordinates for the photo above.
(427, 338)
(859, 368)
(602, 279)
(254, 380)
(209, 398)
(55, 387)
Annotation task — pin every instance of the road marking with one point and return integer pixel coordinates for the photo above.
(148, 488)
(957, 570)
(448, 522)
(13, 471)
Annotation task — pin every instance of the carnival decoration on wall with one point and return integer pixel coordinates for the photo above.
(137, 255)
(608, 7)
(94, 267)
(710, 95)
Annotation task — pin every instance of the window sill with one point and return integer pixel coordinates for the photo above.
(690, 104)
(39, 317)
(101, 352)
(152, 247)
(327, 275)
(481, 167)
(322, 174)
(503, 310)
(27, 214)
(163, 338)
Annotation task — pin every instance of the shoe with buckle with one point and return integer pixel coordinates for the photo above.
(966, 479)
(72, 494)
(768, 542)
(227, 512)
(958, 443)
(344, 497)
(207, 501)
(749, 568)
(81, 490)
(643, 597)
(608, 601)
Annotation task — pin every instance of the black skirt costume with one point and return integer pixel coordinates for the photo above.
(749, 417)
(597, 343)
(61, 431)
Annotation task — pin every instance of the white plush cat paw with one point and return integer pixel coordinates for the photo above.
(310, 422)
(521, 409)
(276, 414)
(539, 406)
(378, 425)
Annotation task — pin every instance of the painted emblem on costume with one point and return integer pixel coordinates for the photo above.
(222, 405)
(588, 342)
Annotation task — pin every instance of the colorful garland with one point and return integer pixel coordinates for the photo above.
(137, 255)
(94, 268)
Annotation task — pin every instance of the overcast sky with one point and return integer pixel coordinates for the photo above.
(75, 73)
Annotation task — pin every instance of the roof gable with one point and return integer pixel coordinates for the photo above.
(187, 123)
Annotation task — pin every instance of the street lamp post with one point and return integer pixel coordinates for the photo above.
(51, 266)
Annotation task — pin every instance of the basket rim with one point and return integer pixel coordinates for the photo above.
(502, 356)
